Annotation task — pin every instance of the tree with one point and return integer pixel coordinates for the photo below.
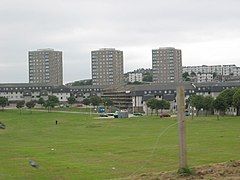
(152, 104)
(51, 102)
(208, 103)
(41, 101)
(228, 96)
(107, 102)
(193, 74)
(30, 105)
(197, 101)
(162, 104)
(220, 105)
(71, 100)
(86, 101)
(159, 105)
(3, 102)
(95, 101)
(20, 105)
(236, 101)
(187, 79)
(166, 104)
(82, 82)
(214, 75)
(147, 77)
(186, 76)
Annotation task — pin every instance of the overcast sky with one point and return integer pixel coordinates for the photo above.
(207, 32)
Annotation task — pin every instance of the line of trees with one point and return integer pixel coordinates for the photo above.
(229, 98)
(201, 102)
(49, 104)
(226, 99)
(155, 104)
(96, 101)
(53, 101)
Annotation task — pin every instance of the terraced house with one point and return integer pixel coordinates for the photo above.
(130, 97)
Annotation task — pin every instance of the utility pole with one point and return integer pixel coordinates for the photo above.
(181, 127)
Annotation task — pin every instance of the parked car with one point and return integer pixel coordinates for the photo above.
(103, 115)
(63, 105)
(116, 114)
(187, 113)
(138, 114)
(110, 114)
(79, 105)
(165, 115)
(101, 110)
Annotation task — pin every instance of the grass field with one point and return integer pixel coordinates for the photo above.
(83, 147)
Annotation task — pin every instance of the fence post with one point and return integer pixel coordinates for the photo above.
(181, 127)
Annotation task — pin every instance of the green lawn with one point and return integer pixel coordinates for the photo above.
(75, 109)
(83, 147)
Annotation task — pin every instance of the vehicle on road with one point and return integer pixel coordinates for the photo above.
(101, 110)
(103, 115)
(110, 114)
(187, 113)
(116, 114)
(138, 114)
(165, 115)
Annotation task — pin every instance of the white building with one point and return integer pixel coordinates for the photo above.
(236, 71)
(132, 77)
(204, 77)
(24, 91)
(218, 69)
(228, 69)
(203, 69)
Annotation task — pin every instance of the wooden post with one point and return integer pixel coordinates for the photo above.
(181, 127)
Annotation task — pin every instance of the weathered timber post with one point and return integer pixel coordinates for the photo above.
(181, 128)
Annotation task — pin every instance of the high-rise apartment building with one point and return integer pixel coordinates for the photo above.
(45, 67)
(107, 67)
(167, 65)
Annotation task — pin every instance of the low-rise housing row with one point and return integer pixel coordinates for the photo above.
(224, 70)
(130, 97)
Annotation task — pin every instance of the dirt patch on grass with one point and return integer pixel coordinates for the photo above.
(223, 171)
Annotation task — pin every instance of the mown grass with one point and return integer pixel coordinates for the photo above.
(90, 148)
(74, 109)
